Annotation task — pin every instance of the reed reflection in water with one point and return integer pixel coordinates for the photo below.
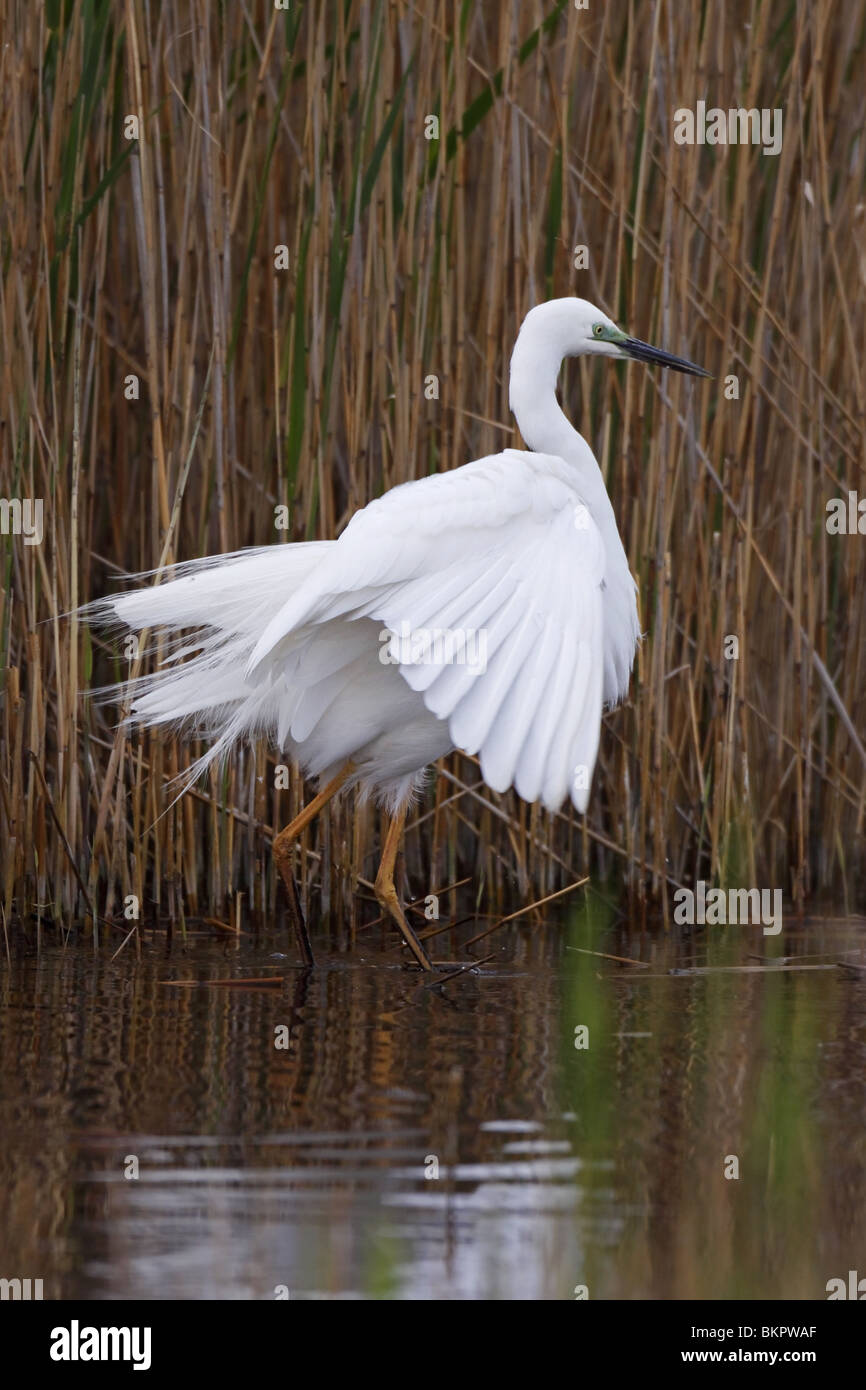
(436, 1143)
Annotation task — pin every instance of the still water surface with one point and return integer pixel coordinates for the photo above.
(312, 1167)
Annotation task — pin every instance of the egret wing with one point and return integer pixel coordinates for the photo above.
(502, 557)
(521, 684)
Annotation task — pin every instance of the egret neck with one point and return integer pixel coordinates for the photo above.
(535, 365)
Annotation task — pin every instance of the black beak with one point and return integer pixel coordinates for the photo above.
(643, 352)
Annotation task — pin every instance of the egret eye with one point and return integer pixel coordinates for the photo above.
(598, 330)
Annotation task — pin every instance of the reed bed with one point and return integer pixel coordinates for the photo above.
(296, 378)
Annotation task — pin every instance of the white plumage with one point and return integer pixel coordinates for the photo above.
(522, 546)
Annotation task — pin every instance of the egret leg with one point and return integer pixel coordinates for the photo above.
(387, 893)
(282, 851)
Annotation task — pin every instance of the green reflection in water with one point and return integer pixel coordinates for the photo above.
(698, 1103)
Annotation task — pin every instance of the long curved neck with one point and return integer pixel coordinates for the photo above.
(542, 422)
(535, 365)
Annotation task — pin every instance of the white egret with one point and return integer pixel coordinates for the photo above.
(307, 643)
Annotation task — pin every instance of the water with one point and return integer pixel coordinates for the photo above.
(311, 1168)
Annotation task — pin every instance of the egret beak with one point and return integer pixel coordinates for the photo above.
(643, 352)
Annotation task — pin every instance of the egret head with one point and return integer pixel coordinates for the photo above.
(574, 327)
